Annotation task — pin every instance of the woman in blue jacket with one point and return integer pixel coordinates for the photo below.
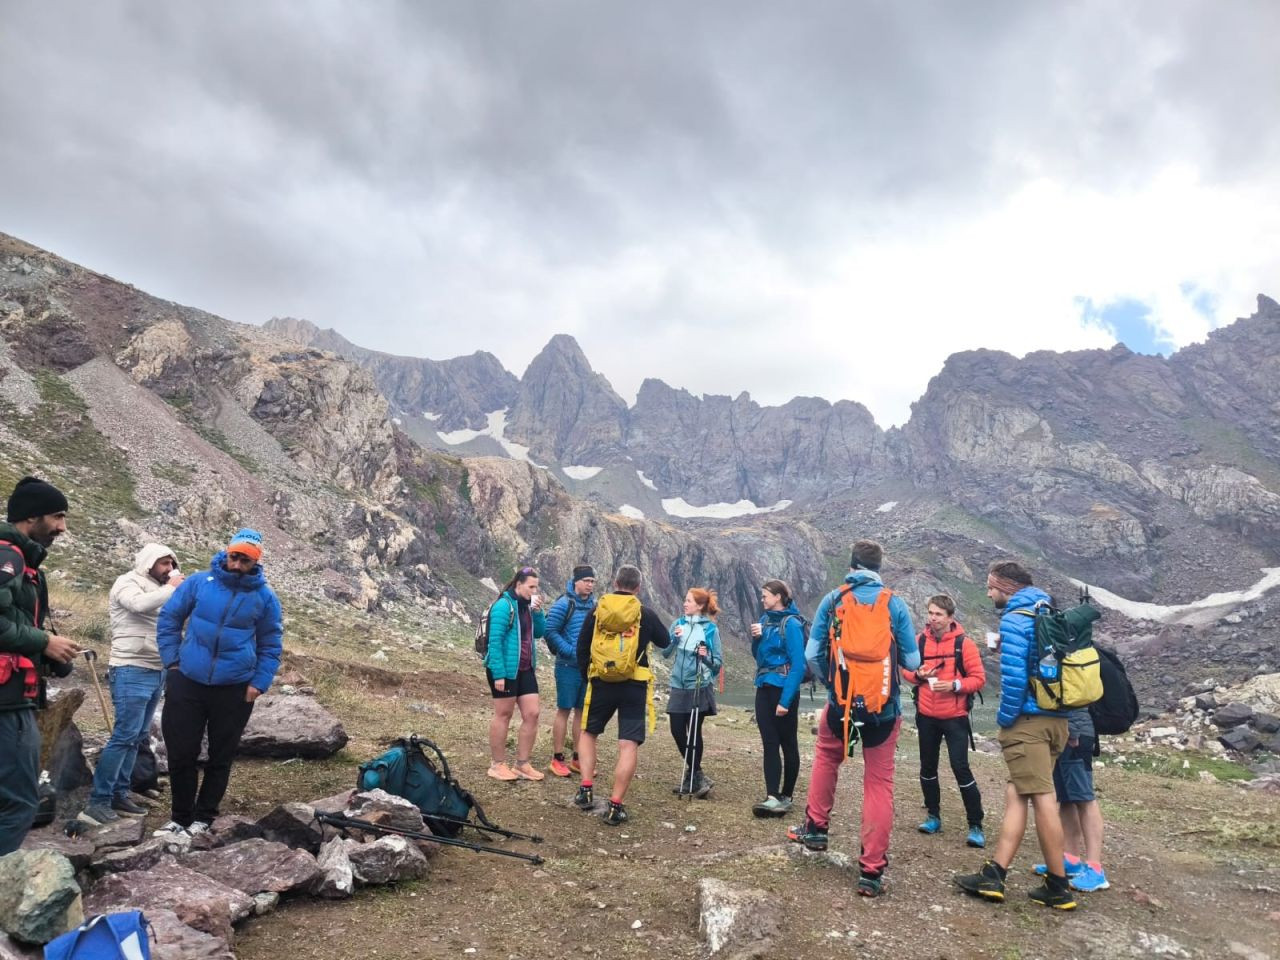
(696, 648)
(515, 621)
(777, 642)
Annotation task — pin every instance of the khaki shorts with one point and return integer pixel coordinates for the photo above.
(1031, 748)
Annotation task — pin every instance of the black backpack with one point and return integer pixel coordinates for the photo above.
(1117, 711)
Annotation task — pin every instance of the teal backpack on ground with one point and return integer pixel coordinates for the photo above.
(110, 936)
(407, 771)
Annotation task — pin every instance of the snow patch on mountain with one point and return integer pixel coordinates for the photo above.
(679, 507)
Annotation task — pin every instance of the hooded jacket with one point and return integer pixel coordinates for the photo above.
(563, 627)
(945, 702)
(686, 672)
(233, 627)
(779, 659)
(134, 605)
(503, 658)
(1017, 644)
(866, 587)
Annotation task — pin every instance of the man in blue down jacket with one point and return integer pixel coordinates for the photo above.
(214, 672)
(1031, 739)
(564, 623)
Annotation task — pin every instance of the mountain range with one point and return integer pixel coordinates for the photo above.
(408, 486)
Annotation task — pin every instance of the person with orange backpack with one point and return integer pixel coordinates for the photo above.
(861, 636)
(949, 677)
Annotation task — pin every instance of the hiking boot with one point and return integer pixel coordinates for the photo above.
(616, 815)
(1054, 892)
(685, 786)
(559, 767)
(871, 885)
(128, 807)
(931, 825)
(197, 828)
(811, 835)
(987, 883)
(171, 830)
(574, 766)
(701, 785)
(527, 771)
(976, 838)
(584, 800)
(1088, 880)
(768, 807)
(1069, 867)
(500, 771)
(98, 815)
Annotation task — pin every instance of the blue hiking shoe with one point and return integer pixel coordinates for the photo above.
(1069, 867)
(1088, 880)
(931, 825)
(976, 838)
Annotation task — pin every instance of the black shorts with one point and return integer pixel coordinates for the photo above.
(629, 700)
(526, 682)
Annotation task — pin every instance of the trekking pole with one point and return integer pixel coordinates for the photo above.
(349, 823)
(689, 750)
(509, 834)
(91, 656)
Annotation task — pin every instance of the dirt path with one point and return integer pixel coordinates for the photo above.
(1195, 868)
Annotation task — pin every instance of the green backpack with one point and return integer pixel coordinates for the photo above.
(1065, 670)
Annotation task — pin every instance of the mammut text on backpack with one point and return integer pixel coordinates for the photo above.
(861, 656)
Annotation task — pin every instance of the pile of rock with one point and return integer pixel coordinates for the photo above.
(1243, 719)
(195, 890)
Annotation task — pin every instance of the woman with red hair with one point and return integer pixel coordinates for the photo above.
(696, 648)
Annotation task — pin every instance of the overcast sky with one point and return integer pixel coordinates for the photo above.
(814, 198)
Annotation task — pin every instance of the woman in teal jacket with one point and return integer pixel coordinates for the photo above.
(695, 644)
(515, 621)
(777, 641)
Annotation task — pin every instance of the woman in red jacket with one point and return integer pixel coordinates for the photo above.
(950, 674)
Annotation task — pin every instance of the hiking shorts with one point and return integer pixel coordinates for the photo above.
(1073, 773)
(570, 687)
(1031, 747)
(526, 682)
(629, 700)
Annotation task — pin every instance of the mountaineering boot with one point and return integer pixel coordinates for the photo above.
(616, 815)
(810, 834)
(1054, 892)
(976, 838)
(128, 807)
(701, 785)
(932, 824)
(987, 883)
(1089, 880)
(583, 799)
(685, 786)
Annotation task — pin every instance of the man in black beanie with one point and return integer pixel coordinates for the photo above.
(37, 515)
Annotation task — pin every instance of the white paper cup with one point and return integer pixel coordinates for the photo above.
(933, 683)
(993, 640)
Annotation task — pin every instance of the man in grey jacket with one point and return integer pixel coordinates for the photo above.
(135, 676)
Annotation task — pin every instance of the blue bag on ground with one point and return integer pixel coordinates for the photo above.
(407, 771)
(108, 936)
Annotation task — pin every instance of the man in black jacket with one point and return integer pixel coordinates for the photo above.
(618, 681)
(37, 515)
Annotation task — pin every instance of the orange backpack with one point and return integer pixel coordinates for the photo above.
(861, 656)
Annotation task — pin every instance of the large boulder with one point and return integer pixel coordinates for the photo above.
(291, 726)
(337, 878)
(257, 866)
(1232, 715)
(39, 898)
(386, 860)
(55, 718)
(294, 825)
(143, 856)
(79, 850)
(1265, 722)
(232, 828)
(174, 940)
(1241, 739)
(199, 901)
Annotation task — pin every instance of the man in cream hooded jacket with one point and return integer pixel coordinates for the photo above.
(135, 676)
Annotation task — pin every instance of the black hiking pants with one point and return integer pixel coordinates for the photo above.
(191, 709)
(19, 775)
(955, 731)
(779, 735)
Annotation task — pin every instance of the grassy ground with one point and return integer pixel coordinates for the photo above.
(1195, 862)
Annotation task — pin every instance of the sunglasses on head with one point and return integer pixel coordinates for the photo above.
(527, 571)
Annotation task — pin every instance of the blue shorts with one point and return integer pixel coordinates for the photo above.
(570, 687)
(1073, 773)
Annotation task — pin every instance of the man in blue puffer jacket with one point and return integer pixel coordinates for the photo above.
(214, 672)
(1031, 739)
(564, 623)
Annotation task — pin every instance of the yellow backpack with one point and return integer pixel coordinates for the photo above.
(615, 642)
